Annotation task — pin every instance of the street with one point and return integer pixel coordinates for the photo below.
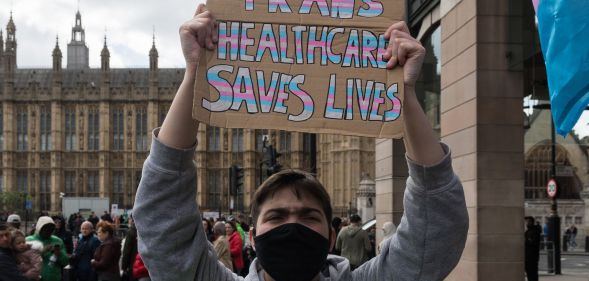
(571, 264)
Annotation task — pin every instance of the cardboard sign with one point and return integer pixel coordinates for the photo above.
(302, 65)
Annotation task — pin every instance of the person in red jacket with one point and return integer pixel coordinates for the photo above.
(235, 244)
(139, 270)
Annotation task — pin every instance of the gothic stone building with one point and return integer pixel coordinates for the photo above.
(86, 132)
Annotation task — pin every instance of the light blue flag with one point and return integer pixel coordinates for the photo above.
(564, 35)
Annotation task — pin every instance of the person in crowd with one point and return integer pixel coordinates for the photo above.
(388, 229)
(106, 257)
(93, 219)
(140, 272)
(14, 221)
(353, 242)
(573, 236)
(243, 223)
(238, 229)
(28, 255)
(336, 224)
(8, 265)
(235, 246)
(129, 250)
(532, 249)
(107, 217)
(222, 246)
(71, 222)
(63, 234)
(372, 238)
(83, 254)
(291, 210)
(206, 225)
(54, 255)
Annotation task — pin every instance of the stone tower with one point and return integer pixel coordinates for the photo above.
(10, 50)
(77, 51)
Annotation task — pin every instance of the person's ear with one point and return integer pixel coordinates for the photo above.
(252, 241)
(332, 238)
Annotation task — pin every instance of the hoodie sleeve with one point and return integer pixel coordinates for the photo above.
(432, 233)
(172, 243)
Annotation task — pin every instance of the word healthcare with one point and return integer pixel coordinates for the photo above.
(316, 67)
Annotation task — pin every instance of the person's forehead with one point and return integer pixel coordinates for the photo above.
(286, 199)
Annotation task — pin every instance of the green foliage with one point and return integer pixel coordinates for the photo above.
(12, 201)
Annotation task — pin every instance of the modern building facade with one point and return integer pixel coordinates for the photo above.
(86, 132)
(483, 63)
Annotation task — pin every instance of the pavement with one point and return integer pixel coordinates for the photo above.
(564, 277)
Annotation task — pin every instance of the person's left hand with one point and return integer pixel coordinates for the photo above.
(405, 51)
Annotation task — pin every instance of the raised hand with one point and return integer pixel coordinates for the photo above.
(198, 33)
(405, 51)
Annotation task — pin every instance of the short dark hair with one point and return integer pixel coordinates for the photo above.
(355, 218)
(299, 182)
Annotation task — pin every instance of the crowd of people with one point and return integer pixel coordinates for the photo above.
(231, 238)
(89, 249)
(86, 250)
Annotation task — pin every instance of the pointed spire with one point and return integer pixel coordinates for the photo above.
(57, 50)
(153, 52)
(11, 27)
(105, 52)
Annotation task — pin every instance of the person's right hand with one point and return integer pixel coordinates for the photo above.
(198, 33)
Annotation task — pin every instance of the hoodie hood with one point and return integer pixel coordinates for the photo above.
(352, 230)
(42, 222)
(389, 229)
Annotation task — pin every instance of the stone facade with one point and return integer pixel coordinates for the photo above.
(86, 132)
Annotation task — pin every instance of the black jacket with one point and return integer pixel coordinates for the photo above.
(8, 269)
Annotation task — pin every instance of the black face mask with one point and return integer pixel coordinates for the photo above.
(292, 252)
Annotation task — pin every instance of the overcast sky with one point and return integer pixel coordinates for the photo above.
(129, 26)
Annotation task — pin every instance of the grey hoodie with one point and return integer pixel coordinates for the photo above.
(174, 247)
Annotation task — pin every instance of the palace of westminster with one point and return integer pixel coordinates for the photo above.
(84, 132)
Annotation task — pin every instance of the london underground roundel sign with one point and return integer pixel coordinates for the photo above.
(551, 188)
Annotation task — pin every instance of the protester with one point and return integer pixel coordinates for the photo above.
(388, 229)
(14, 221)
(54, 255)
(63, 234)
(235, 246)
(291, 210)
(208, 229)
(8, 266)
(106, 257)
(71, 222)
(83, 254)
(107, 217)
(353, 242)
(28, 256)
(336, 223)
(222, 246)
(93, 219)
(532, 249)
(129, 251)
(140, 272)
(238, 228)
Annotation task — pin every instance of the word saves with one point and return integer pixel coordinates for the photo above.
(272, 93)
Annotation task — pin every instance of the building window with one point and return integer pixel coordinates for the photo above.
(70, 129)
(70, 184)
(1, 130)
(1, 183)
(137, 180)
(214, 189)
(22, 125)
(284, 141)
(141, 129)
(118, 129)
(93, 184)
(45, 124)
(428, 86)
(260, 139)
(22, 181)
(163, 113)
(45, 191)
(578, 220)
(118, 195)
(93, 129)
(237, 140)
(213, 139)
